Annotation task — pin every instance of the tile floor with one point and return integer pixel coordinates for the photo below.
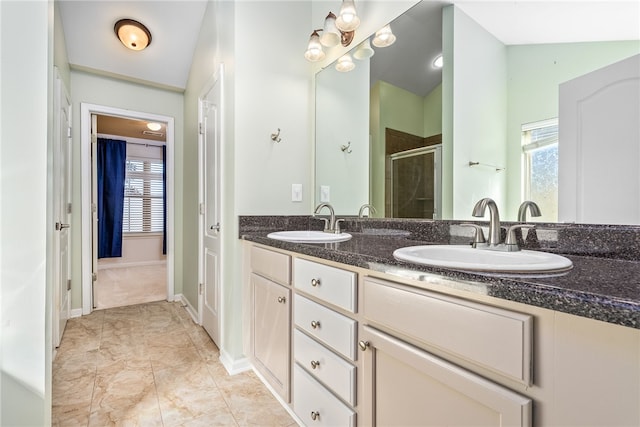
(151, 365)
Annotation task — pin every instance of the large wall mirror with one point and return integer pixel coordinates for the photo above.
(420, 142)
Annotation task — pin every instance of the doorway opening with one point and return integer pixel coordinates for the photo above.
(140, 267)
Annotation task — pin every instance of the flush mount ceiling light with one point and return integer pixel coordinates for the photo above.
(132, 34)
(384, 37)
(154, 126)
(438, 62)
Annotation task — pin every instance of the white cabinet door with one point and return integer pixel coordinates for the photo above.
(405, 386)
(272, 332)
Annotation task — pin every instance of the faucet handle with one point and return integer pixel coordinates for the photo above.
(337, 226)
(511, 242)
(326, 224)
(478, 235)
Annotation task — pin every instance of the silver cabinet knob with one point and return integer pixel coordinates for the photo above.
(282, 300)
(315, 364)
(315, 415)
(364, 345)
(315, 282)
(315, 324)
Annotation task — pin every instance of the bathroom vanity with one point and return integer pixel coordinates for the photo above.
(346, 335)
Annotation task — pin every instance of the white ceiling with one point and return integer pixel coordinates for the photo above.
(92, 44)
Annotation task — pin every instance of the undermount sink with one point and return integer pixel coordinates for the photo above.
(464, 257)
(309, 236)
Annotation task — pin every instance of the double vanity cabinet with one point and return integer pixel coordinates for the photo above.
(342, 345)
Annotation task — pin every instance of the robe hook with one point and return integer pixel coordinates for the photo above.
(276, 136)
(346, 148)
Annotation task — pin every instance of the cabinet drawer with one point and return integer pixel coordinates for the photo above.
(270, 264)
(497, 339)
(323, 364)
(333, 285)
(315, 405)
(333, 329)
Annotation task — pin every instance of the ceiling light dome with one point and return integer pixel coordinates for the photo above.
(132, 34)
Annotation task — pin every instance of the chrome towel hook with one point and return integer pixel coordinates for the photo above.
(346, 148)
(276, 136)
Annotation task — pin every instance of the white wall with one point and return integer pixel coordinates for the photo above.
(106, 91)
(341, 118)
(479, 111)
(25, 228)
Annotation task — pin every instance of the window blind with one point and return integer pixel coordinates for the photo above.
(143, 195)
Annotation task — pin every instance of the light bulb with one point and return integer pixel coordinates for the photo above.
(347, 18)
(314, 49)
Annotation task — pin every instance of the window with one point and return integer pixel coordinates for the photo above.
(540, 167)
(143, 195)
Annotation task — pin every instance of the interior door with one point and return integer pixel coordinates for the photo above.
(62, 208)
(210, 208)
(598, 121)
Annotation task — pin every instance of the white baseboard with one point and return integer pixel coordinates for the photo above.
(234, 366)
(187, 306)
(75, 312)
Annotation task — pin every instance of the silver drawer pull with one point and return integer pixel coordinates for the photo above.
(364, 345)
(315, 324)
(282, 300)
(315, 282)
(315, 415)
(315, 364)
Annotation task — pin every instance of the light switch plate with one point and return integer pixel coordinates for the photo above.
(325, 193)
(296, 192)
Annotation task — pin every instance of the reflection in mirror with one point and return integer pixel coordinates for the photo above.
(490, 93)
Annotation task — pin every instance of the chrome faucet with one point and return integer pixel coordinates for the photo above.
(533, 208)
(494, 219)
(330, 225)
(371, 208)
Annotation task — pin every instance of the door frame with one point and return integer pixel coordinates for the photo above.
(86, 110)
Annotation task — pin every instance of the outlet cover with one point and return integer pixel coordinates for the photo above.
(296, 192)
(325, 193)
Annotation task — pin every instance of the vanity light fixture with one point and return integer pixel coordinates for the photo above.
(364, 50)
(132, 34)
(438, 62)
(336, 29)
(347, 18)
(314, 49)
(154, 126)
(384, 37)
(345, 63)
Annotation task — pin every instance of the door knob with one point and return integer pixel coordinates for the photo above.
(60, 226)
(215, 227)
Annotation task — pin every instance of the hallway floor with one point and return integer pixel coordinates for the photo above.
(150, 365)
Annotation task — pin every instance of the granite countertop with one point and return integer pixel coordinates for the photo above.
(604, 287)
